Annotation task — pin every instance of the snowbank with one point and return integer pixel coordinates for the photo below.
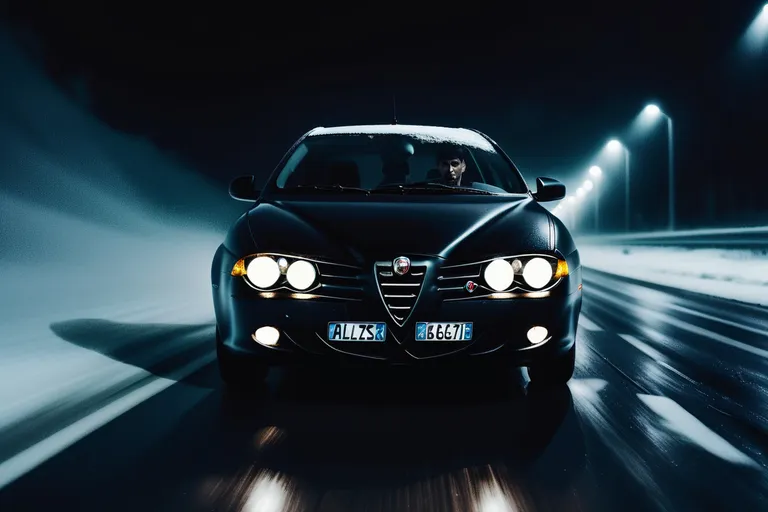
(731, 274)
(95, 225)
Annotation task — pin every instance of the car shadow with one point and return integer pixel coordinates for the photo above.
(369, 429)
(161, 349)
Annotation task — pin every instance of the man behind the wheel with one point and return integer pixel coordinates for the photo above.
(451, 162)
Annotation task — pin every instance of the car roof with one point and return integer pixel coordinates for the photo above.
(460, 136)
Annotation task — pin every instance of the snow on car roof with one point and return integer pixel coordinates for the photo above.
(438, 134)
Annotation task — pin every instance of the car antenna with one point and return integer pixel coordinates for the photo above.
(394, 110)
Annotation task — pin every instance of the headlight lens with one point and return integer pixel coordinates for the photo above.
(301, 274)
(537, 273)
(499, 275)
(263, 272)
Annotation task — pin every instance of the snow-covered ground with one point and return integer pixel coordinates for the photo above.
(732, 274)
(105, 248)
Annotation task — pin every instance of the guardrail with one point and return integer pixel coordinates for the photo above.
(741, 238)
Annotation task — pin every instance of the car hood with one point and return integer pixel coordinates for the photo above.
(368, 229)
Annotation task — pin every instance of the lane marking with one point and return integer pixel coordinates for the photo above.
(730, 323)
(588, 324)
(28, 459)
(642, 347)
(694, 329)
(690, 311)
(654, 354)
(687, 426)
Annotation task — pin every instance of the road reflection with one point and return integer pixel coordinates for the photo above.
(394, 440)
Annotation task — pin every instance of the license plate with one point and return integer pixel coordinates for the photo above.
(433, 331)
(357, 331)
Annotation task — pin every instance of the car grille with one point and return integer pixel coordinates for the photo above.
(399, 293)
(451, 281)
(340, 282)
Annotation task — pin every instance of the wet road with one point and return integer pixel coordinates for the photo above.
(667, 410)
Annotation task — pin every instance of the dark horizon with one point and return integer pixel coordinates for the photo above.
(551, 89)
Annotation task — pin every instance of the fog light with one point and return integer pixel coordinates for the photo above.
(266, 336)
(537, 334)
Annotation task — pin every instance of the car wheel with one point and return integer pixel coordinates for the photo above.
(238, 371)
(554, 371)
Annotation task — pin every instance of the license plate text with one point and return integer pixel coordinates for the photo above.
(357, 331)
(442, 331)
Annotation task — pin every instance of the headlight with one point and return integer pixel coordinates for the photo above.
(499, 275)
(301, 274)
(537, 273)
(263, 272)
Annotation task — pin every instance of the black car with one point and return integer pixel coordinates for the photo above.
(396, 244)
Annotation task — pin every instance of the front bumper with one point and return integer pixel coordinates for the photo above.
(500, 323)
(500, 327)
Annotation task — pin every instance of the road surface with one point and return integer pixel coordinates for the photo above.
(667, 411)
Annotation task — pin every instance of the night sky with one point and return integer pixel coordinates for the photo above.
(229, 89)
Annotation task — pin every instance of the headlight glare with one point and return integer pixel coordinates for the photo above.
(562, 269)
(499, 275)
(301, 274)
(238, 270)
(263, 272)
(537, 273)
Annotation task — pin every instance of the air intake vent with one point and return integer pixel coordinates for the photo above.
(399, 292)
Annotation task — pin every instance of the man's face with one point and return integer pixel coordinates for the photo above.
(451, 169)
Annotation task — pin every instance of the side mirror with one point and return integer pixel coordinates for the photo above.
(548, 189)
(242, 188)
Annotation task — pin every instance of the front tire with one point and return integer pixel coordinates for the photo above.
(554, 372)
(236, 371)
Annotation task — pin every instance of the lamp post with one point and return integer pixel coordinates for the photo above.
(655, 112)
(596, 172)
(586, 187)
(616, 145)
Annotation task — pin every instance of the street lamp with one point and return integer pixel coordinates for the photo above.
(654, 112)
(588, 185)
(614, 146)
(755, 39)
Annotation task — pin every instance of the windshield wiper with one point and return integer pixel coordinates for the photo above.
(432, 187)
(332, 188)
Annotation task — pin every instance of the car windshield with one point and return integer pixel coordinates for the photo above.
(372, 163)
